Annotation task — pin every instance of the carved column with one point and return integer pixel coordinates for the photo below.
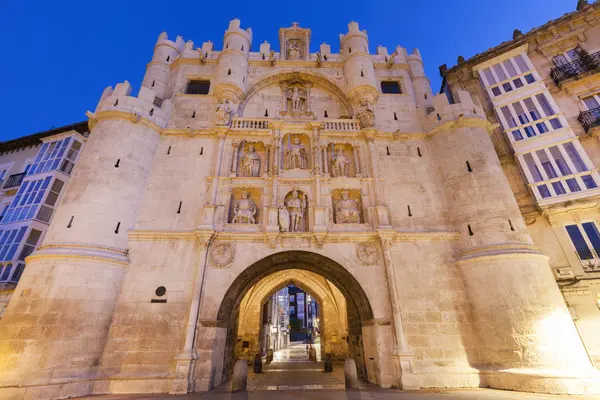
(408, 379)
(381, 209)
(186, 359)
(267, 170)
(325, 163)
(234, 157)
(217, 172)
(357, 171)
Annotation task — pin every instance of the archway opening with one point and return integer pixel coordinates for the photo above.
(344, 304)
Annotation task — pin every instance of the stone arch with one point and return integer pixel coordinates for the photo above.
(309, 76)
(359, 311)
(332, 308)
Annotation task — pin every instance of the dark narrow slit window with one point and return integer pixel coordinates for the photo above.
(470, 230)
(169, 150)
(419, 152)
(469, 167)
(194, 114)
(168, 58)
(116, 102)
(266, 113)
(117, 163)
(326, 114)
(153, 83)
(512, 228)
(118, 226)
(395, 117)
(202, 150)
(387, 149)
(179, 208)
(409, 211)
(70, 224)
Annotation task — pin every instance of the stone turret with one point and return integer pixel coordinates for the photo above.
(520, 318)
(420, 81)
(232, 70)
(361, 84)
(158, 70)
(85, 252)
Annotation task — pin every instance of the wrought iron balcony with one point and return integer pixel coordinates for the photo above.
(590, 118)
(15, 180)
(587, 63)
(589, 260)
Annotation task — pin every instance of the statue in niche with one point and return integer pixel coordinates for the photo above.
(251, 163)
(296, 155)
(346, 210)
(296, 99)
(245, 210)
(339, 164)
(296, 206)
(366, 116)
(294, 52)
(284, 219)
(224, 113)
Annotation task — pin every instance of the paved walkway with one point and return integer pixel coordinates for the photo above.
(380, 394)
(291, 370)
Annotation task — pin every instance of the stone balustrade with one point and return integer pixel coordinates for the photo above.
(341, 125)
(250, 123)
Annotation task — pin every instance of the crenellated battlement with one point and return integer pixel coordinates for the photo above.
(442, 111)
(146, 105)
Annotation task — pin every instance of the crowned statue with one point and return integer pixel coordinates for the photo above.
(251, 163)
(293, 52)
(296, 155)
(224, 113)
(296, 206)
(339, 164)
(346, 210)
(245, 210)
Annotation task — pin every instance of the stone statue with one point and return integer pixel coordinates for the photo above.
(339, 164)
(245, 210)
(251, 163)
(319, 58)
(296, 207)
(294, 52)
(296, 156)
(224, 113)
(284, 219)
(346, 210)
(366, 116)
(296, 99)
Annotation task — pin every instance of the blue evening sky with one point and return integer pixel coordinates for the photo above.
(58, 55)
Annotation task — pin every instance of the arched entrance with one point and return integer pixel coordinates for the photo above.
(306, 268)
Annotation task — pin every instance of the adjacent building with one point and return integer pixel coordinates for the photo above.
(33, 172)
(541, 94)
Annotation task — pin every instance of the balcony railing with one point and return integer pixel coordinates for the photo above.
(589, 260)
(587, 63)
(243, 123)
(15, 180)
(590, 118)
(341, 125)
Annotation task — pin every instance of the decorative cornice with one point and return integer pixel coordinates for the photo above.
(502, 250)
(81, 251)
(133, 117)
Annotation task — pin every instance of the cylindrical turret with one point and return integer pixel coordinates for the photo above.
(232, 69)
(420, 81)
(158, 70)
(526, 338)
(76, 274)
(361, 84)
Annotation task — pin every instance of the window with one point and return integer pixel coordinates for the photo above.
(390, 87)
(30, 243)
(529, 112)
(4, 211)
(9, 242)
(47, 208)
(585, 238)
(49, 157)
(26, 201)
(3, 173)
(566, 57)
(69, 161)
(591, 102)
(198, 87)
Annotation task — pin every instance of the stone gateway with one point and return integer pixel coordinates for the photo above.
(242, 172)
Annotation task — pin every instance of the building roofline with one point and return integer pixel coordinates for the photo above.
(34, 139)
(511, 44)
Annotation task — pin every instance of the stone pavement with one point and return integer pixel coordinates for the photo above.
(377, 394)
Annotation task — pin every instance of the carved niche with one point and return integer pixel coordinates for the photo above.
(296, 99)
(251, 160)
(347, 207)
(293, 215)
(245, 206)
(294, 42)
(296, 150)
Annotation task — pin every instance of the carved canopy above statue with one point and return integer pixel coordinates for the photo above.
(295, 95)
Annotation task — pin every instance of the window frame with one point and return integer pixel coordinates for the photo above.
(594, 253)
(596, 97)
(192, 80)
(396, 81)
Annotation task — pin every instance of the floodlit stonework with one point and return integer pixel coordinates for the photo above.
(234, 173)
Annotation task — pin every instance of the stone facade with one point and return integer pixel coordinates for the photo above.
(562, 64)
(243, 171)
